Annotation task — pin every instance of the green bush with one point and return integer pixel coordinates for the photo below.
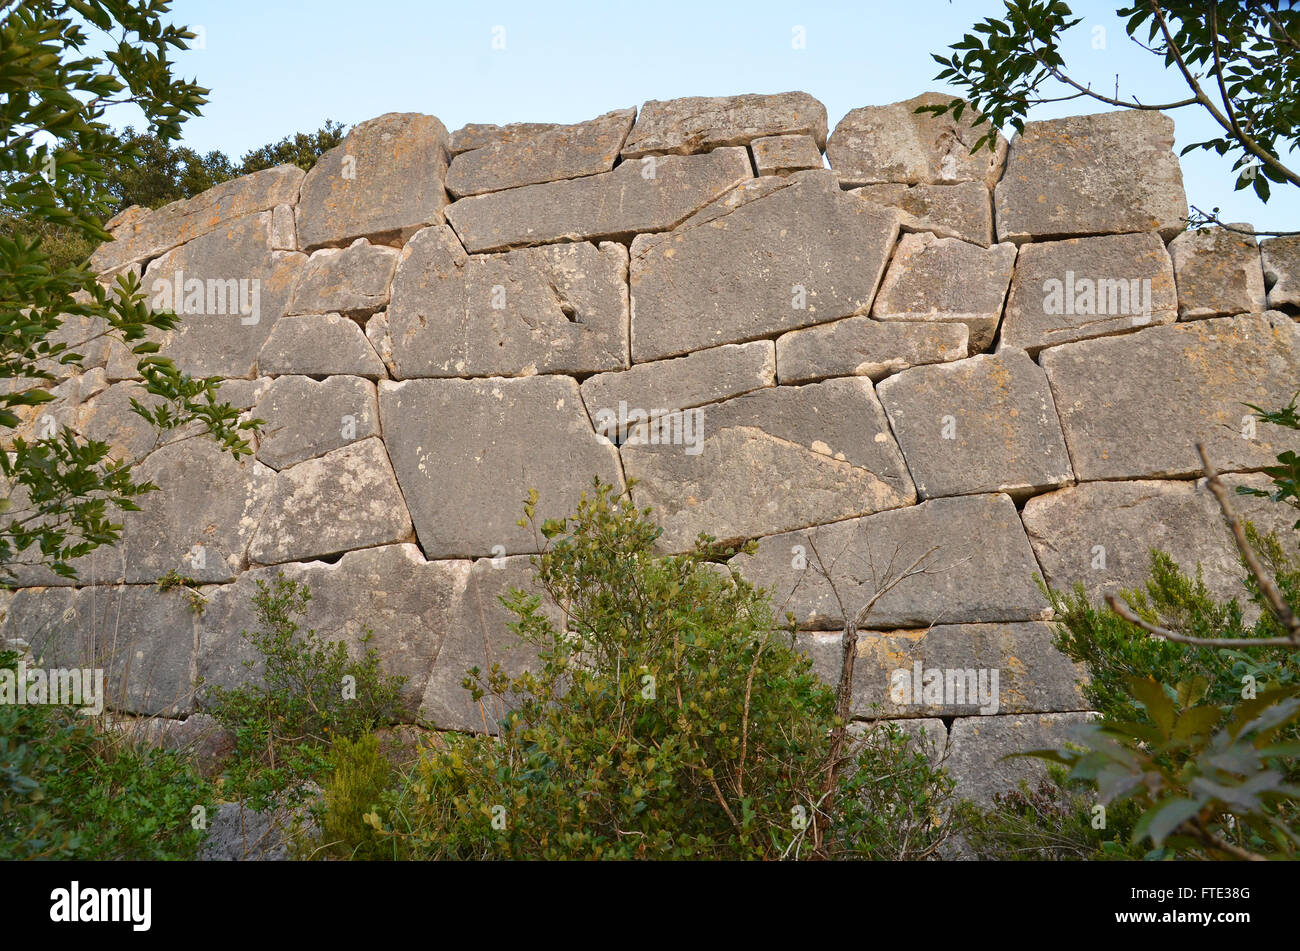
(72, 790)
(359, 775)
(670, 717)
(303, 691)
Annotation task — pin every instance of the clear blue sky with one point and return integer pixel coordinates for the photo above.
(282, 66)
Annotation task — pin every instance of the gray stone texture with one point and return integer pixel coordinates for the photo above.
(782, 154)
(985, 424)
(351, 281)
(1281, 259)
(894, 143)
(1219, 273)
(981, 569)
(703, 123)
(946, 280)
(798, 252)
(1134, 407)
(466, 452)
(705, 376)
(319, 345)
(769, 462)
(863, 346)
(653, 194)
(558, 309)
(1088, 287)
(571, 151)
(1081, 175)
(305, 418)
(384, 183)
(964, 210)
(978, 745)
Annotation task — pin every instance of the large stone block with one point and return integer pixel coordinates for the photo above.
(1134, 407)
(558, 309)
(982, 568)
(481, 640)
(783, 154)
(585, 148)
(978, 745)
(409, 606)
(480, 135)
(144, 234)
(964, 210)
(946, 280)
(862, 346)
(927, 672)
(1081, 175)
(319, 345)
(1219, 273)
(705, 376)
(1281, 258)
(384, 182)
(352, 281)
(348, 498)
(229, 288)
(701, 123)
(141, 638)
(769, 462)
(1088, 287)
(986, 424)
(649, 195)
(798, 252)
(1101, 534)
(894, 143)
(466, 452)
(306, 418)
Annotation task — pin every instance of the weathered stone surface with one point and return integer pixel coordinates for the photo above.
(964, 210)
(1134, 407)
(801, 252)
(705, 376)
(410, 606)
(585, 148)
(143, 639)
(305, 418)
(1281, 258)
(243, 394)
(560, 309)
(894, 143)
(481, 639)
(701, 123)
(353, 281)
(377, 335)
(1101, 534)
(768, 462)
(284, 228)
(1218, 272)
(479, 135)
(319, 345)
(982, 569)
(986, 424)
(1111, 172)
(127, 216)
(347, 498)
(1032, 675)
(635, 197)
(1088, 287)
(946, 279)
(232, 289)
(384, 182)
(509, 436)
(138, 237)
(978, 745)
(782, 154)
(861, 346)
(197, 524)
(109, 417)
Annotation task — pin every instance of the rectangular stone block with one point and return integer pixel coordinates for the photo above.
(705, 376)
(701, 123)
(863, 346)
(782, 154)
(964, 210)
(1134, 407)
(649, 195)
(1219, 273)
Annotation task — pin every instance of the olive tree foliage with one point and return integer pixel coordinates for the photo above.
(1238, 61)
(63, 65)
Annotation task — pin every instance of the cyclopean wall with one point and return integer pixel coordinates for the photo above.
(1007, 357)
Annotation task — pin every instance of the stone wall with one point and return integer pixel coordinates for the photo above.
(1006, 357)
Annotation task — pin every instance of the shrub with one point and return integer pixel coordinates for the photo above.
(669, 717)
(309, 693)
(70, 789)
